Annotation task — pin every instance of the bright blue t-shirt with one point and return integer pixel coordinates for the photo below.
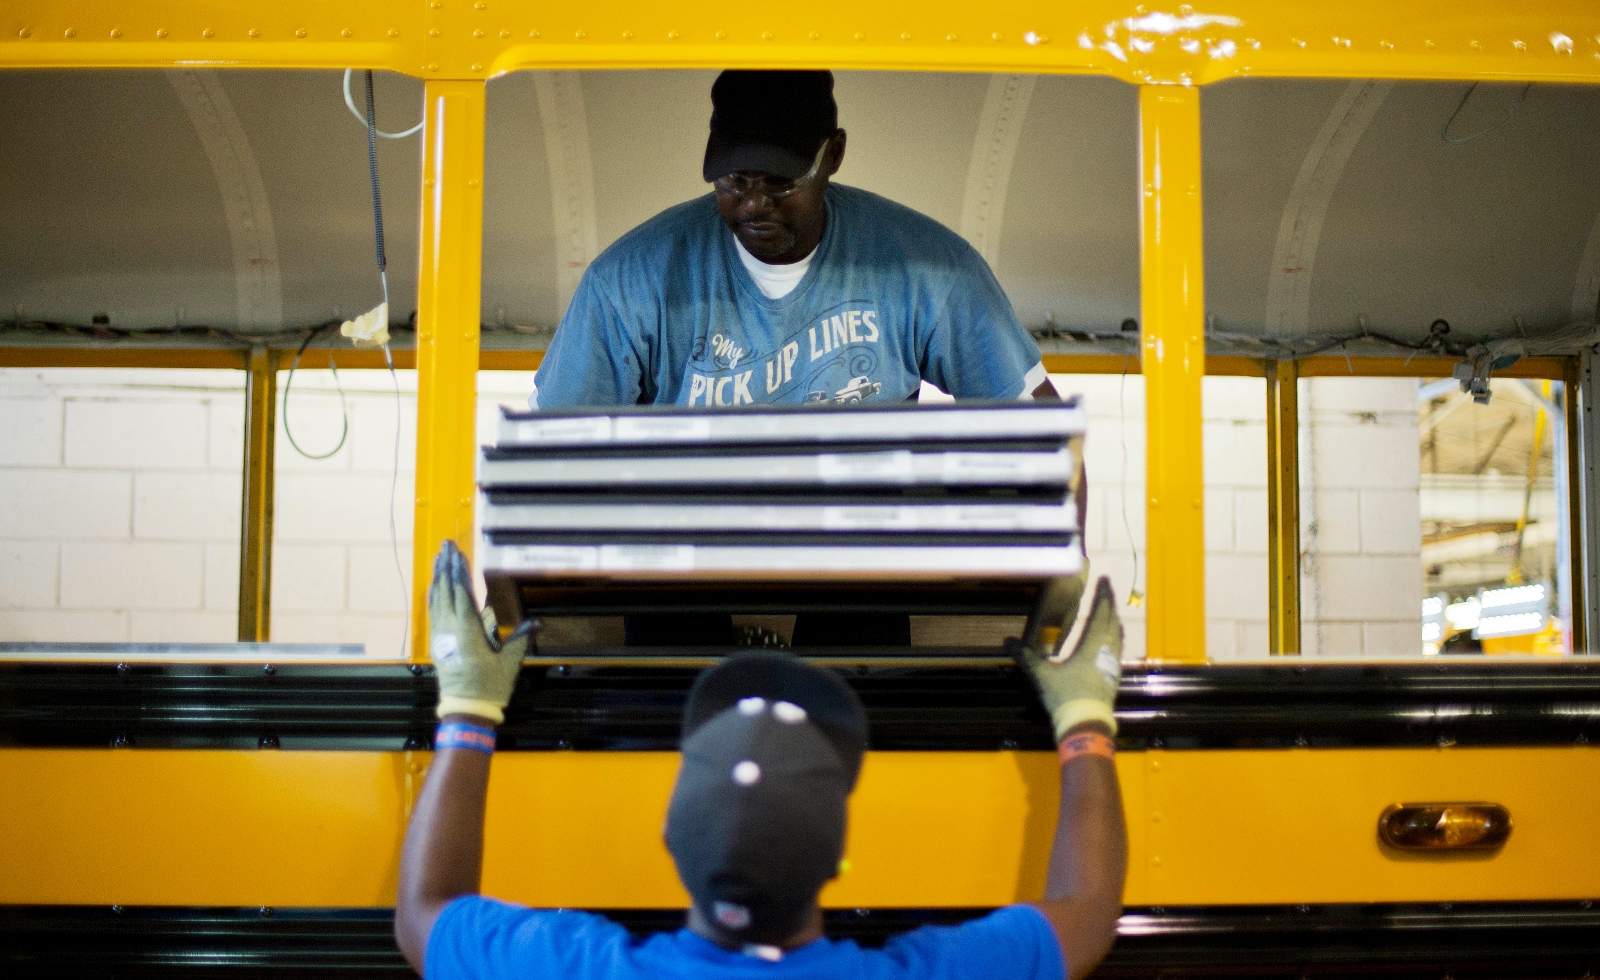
(477, 937)
(669, 316)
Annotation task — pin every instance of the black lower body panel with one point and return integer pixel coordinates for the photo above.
(1425, 942)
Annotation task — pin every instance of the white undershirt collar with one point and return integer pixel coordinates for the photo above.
(774, 281)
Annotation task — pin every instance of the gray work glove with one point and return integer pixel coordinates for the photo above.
(1083, 687)
(476, 671)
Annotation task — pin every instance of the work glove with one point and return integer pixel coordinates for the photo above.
(1082, 687)
(476, 671)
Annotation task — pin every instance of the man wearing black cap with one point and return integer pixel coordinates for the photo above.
(756, 826)
(780, 287)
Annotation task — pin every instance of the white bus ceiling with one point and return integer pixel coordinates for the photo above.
(240, 200)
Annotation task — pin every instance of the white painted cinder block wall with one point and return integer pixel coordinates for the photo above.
(119, 504)
(1361, 522)
(119, 507)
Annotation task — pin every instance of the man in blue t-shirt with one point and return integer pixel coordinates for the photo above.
(780, 287)
(771, 749)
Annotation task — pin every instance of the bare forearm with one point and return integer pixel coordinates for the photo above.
(443, 854)
(1088, 862)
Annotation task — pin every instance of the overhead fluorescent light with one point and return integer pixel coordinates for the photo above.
(1510, 624)
(1516, 595)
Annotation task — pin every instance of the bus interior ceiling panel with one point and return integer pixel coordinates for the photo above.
(1394, 226)
(239, 199)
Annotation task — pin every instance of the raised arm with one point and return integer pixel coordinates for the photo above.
(443, 854)
(1089, 858)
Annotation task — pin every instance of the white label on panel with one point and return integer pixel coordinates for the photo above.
(552, 558)
(564, 430)
(647, 557)
(667, 428)
(895, 467)
(988, 468)
(869, 518)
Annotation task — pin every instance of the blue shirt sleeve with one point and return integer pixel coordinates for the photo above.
(592, 359)
(1014, 942)
(974, 346)
(476, 937)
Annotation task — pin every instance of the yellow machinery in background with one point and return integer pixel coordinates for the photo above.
(1255, 794)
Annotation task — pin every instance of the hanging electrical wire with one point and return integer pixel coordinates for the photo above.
(288, 387)
(381, 333)
(365, 121)
(1497, 125)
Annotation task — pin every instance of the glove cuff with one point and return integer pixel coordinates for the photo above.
(1080, 710)
(451, 705)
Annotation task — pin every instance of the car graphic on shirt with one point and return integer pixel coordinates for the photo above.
(857, 390)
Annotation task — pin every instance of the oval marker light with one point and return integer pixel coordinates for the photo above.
(1445, 826)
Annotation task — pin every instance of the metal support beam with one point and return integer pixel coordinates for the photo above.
(1283, 508)
(1173, 340)
(255, 517)
(448, 290)
(1577, 532)
(1583, 462)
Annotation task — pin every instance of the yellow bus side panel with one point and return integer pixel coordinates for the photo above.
(195, 827)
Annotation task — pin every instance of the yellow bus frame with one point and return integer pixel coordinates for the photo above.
(457, 45)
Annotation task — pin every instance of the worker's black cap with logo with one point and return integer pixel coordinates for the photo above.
(771, 121)
(771, 750)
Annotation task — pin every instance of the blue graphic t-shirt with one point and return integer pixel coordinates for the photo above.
(667, 315)
(482, 939)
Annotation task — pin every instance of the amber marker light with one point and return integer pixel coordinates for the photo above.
(1445, 826)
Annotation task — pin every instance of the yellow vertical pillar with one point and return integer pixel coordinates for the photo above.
(255, 520)
(1283, 507)
(1173, 340)
(448, 296)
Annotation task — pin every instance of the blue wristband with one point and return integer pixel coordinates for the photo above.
(460, 735)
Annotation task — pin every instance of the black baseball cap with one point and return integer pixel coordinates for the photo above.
(771, 121)
(772, 747)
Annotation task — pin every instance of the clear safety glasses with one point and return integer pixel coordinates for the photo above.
(773, 188)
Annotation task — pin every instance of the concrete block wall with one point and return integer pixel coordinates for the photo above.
(1235, 503)
(119, 504)
(119, 507)
(1361, 522)
(334, 574)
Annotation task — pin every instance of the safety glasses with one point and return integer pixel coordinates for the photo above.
(773, 188)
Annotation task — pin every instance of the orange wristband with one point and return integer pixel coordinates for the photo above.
(1086, 743)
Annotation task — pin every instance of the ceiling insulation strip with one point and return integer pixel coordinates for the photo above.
(244, 196)
(994, 151)
(1295, 253)
(566, 141)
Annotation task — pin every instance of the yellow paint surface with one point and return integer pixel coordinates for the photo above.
(449, 291)
(1550, 40)
(574, 829)
(1172, 338)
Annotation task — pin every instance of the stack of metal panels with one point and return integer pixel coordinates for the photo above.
(898, 494)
